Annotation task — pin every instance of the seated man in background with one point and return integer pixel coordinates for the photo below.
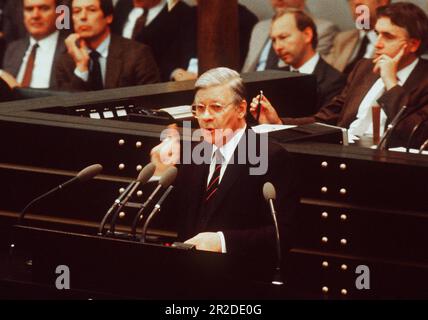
(396, 77)
(220, 199)
(160, 24)
(351, 46)
(31, 59)
(294, 38)
(261, 55)
(96, 59)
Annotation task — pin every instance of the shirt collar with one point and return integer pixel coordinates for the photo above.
(228, 149)
(157, 8)
(309, 65)
(102, 49)
(47, 42)
(371, 35)
(404, 73)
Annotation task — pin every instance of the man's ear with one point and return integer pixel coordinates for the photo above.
(109, 19)
(242, 109)
(413, 45)
(309, 34)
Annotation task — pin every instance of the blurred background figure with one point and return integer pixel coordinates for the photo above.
(352, 45)
(162, 25)
(31, 59)
(261, 55)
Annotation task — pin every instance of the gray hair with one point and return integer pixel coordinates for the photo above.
(221, 76)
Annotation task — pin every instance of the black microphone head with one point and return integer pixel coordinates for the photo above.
(269, 191)
(89, 172)
(147, 172)
(168, 177)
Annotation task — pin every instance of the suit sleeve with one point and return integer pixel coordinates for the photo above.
(66, 80)
(417, 103)
(331, 111)
(326, 38)
(146, 70)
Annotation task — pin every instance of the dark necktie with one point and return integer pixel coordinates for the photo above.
(28, 74)
(360, 54)
(272, 60)
(215, 178)
(140, 23)
(95, 76)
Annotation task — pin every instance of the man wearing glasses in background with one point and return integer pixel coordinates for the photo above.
(396, 77)
(220, 201)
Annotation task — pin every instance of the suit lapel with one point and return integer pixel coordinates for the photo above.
(114, 64)
(18, 58)
(60, 49)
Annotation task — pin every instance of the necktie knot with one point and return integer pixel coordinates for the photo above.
(94, 55)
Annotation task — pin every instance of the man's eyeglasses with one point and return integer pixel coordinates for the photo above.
(213, 108)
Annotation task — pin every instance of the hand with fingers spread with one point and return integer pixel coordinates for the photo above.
(167, 153)
(268, 114)
(387, 67)
(79, 53)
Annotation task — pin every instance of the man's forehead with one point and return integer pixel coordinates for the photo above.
(214, 93)
(85, 3)
(385, 25)
(284, 23)
(28, 3)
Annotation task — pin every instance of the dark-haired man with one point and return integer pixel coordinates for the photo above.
(396, 77)
(97, 59)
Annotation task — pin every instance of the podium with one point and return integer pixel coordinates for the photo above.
(102, 267)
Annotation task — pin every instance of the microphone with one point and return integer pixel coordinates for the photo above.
(144, 176)
(84, 175)
(165, 181)
(390, 128)
(423, 146)
(413, 133)
(270, 194)
(155, 210)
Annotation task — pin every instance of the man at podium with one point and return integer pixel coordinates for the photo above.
(219, 188)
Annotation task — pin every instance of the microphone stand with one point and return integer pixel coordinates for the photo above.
(384, 140)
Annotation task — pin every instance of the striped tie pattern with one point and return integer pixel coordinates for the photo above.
(215, 178)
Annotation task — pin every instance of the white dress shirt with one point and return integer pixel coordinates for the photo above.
(227, 151)
(309, 66)
(102, 49)
(43, 62)
(135, 13)
(261, 65)
(363, 124)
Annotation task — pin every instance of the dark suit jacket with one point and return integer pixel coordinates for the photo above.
(165, 34)
(330, 82)
(128, 64)
(343, 109)
(15, 54)
(5, 91)
(238, 209)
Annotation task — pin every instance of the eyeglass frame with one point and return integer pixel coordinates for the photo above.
(210, 110)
